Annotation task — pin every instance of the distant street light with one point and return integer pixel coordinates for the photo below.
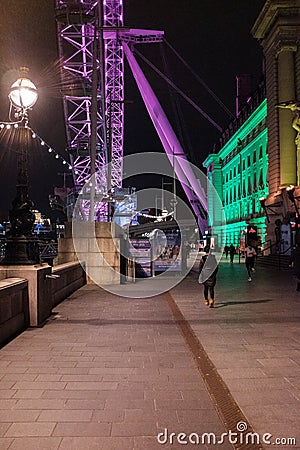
(21, 245)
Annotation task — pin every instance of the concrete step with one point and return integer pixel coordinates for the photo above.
(275, 261)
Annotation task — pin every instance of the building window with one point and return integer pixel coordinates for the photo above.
(260, 180)
(249, 186)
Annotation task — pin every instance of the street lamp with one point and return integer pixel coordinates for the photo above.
(21, 245)
(23, 94)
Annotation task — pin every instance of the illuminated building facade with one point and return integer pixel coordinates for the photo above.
(256, 169)
(238, 172)
(277, 28)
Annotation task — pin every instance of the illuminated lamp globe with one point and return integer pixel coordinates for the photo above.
(23, 94)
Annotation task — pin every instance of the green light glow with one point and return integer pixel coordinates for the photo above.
(238, 172)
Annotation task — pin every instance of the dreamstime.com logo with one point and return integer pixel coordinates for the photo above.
(239, 437)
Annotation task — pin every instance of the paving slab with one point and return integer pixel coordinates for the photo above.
(108, 372)
(105, 372)
(252, 338)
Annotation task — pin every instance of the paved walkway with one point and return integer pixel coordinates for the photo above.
(108, 372)
(253, 338)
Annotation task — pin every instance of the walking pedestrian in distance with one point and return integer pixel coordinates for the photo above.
(226, 250)
(250, 255)
(231, 253)
(208, 269)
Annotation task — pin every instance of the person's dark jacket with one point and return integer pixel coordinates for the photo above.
(232, 250)
(208, 269)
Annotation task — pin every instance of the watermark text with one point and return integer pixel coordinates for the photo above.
(241, 436)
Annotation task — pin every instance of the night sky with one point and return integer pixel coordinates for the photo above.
(213, 37)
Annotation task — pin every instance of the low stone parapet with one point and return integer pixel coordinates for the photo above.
(14, 308)
(39, 294)
(67, 278)
(47, 286)
(29, 302)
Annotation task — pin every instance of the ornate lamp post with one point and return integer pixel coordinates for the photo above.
(22, 246)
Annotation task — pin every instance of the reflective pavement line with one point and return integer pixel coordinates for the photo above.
(226, 406)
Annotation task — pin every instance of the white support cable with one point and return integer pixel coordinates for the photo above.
(202, 82)
(172, 146)
(179, 91)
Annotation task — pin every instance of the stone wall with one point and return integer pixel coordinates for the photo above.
(14, 308)
(22, 305)
(68, 278)
(38, 289)
(98, 245)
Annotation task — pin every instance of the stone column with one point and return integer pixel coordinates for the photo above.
(218, 185)
(286, 92)
(215, 195)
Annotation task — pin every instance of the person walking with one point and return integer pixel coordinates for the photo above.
(231, 253)
(208, 269)
(226, 250)
(250, 255)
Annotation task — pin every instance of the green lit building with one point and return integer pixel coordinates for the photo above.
(259, 154)
(238, 172)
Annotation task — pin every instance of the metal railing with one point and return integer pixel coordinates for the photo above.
(2, 248)
(48, 250)
(267, 246)
(278, 254)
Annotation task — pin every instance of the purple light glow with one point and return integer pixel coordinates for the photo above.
(76, 43)
(172, 146)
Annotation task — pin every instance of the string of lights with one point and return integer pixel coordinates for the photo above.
(163, 216)
(35, 135)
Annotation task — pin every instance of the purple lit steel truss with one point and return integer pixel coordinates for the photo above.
(78, 27)
(77, 31)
